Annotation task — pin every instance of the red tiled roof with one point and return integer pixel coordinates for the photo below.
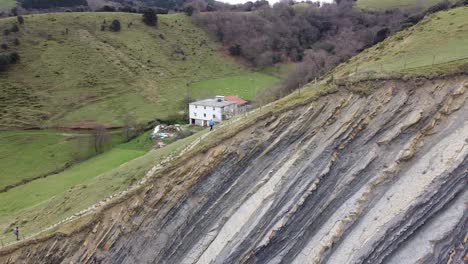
(235, 99)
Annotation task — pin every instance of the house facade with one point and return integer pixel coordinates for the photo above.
(216, 109)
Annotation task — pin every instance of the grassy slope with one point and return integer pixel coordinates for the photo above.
(441, 39)
(6, 5)
(43, 202)
(94, 75)
(389, 4)
(62, 205)
(244, 86)
(28, 154)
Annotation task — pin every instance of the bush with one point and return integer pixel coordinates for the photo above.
(4, 46)
(235, 50)
(6, 32)
(149, 17)
(16, 42)
(14, 28)
(189, 10)
(127, 9)
(20, 20)
(107, 8)
(444, 5)
(115, 25)
(7, 59)
(324, 46)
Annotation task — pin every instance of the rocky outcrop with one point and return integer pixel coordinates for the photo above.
(344, 178)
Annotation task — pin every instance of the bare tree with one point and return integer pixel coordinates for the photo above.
(100, 139)
(129, 128)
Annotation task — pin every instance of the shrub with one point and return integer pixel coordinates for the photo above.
(325, 46)
(149, 17)
(14, 57)
(107, 8)
(16, 42)
(6, 32)
(20, 20)
(235, 50)
(115, 25)
(444, 5)
(7, 59)
(4, 46)
(189, 10)
(14, 28)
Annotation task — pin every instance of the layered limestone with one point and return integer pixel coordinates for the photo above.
(343, 178)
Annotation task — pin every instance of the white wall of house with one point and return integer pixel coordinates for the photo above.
(205, 113)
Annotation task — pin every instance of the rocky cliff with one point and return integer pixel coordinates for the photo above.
(341, 178)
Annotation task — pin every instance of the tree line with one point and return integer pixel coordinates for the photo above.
(317, 37)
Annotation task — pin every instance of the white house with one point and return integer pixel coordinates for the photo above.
(216, 109)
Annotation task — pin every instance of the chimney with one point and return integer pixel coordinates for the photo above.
(219, 98)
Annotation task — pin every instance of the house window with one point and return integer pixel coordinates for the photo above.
(213, 108)
(214, 116)
(195, 114)
(204, 115)
(195, 106)
(204, 107)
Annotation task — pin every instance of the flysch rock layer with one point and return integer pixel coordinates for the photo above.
(346, 178)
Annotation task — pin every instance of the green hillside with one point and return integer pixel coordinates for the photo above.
(390, 4)
(72, 73)
(41, 203)
(439, 43)
(26, 155)
(6, 5)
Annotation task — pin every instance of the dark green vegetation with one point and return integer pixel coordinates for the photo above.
(73, 74)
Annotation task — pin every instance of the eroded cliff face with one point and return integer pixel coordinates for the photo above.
(345, 178)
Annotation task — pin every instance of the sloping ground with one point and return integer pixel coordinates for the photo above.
(340, 179)
(371, 171)
(390, 4)
(42, 203)
(437, 45)
(72, 73)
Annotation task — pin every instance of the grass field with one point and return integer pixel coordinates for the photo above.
(40, 203)
(6, 5)
(440, 40)
(390, 4)
(71, 71)
(244, 86)
(29, 154)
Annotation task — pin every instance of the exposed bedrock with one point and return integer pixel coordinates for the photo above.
(345, 178)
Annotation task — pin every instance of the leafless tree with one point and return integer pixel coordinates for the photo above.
(100, 139)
